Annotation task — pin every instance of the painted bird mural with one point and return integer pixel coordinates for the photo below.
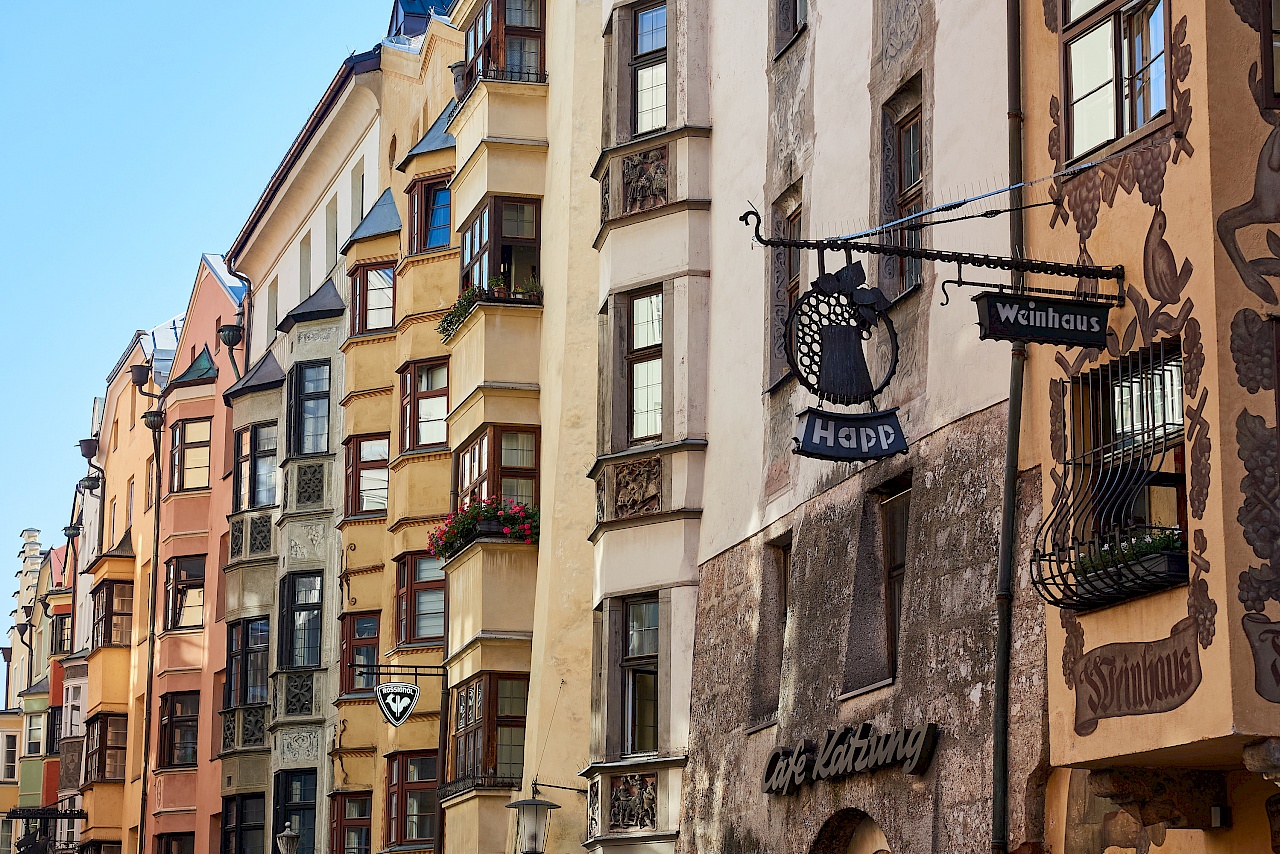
(1165, 280)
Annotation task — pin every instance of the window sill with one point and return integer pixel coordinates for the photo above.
(363, 517)
(427, 845)
(902, 297)
(424, 451)
(354, 696)
(414, 646)
(795, 37)
(866, 689)
(760, 726)
(165, 770)
(1115, 146)
(184, 630)
(782, 382)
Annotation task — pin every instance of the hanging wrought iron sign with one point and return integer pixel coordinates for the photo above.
(1040, 320)
(829, 327)
(396, 699)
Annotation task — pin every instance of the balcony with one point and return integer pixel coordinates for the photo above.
(455, 788)
(491, 586)
(293, 694)
(1087, 576)
(244, 728)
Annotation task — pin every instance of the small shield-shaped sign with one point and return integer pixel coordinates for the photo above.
(396, 699)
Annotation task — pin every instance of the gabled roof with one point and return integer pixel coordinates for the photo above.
(264, 375)
(435, 139)
(382, 218)
(234, 287)
(41, 687)
(201, 370)
(124, 548)
(323, 304)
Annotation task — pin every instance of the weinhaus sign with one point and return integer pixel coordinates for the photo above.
(1010, 317)
(848, 751)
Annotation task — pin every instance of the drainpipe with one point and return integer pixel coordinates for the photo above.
(248, 311)
(442, 751)
(151, 642)
(1008, 522)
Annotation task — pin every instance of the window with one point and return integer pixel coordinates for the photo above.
(177, 843)
(515, 478)
(104, 748)
(179, 728)
(330, 238)
(151, 482)
(359, 650)
(1115, 67)
(489, 720)
(428, 216)
(71, 701)
(640, 672)
(504, 42)
(6, 836)
(53, 732)
(367, 458)
(910, 195)
(650, 63)
(372, 299)
(793, 230)
(357, 193)
(247, 642)
(411, 797)
(310, 409)
(190, 455)
(792, 16)
(895, 513)
(255, 481)
(296, 806)
(62, 634)
(513, 252)
(420, 586)
(35, 735)
(644, 366)
(424, 403)
(128, 507)
(301, 598)
(353, 815)
(113, 614)
(184, 593)
(10, 769)
(244, 825)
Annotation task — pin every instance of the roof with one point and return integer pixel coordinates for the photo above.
(325, 303)
(201, 370)
(382, 218)
(124, 548)
(435, 139)
(57, 566)
(264, 375)
(218, 266)
(41, 687)
(357, 63)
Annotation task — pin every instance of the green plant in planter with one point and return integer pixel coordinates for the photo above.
(498, 287)
(506, 518)
(1129, 550)
(453, 318)
(531, 288)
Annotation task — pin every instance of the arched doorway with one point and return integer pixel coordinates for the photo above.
(850, 831)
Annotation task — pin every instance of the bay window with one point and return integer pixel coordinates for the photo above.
(190, 455)
(255, 477)
(184, 593)
(428, 216)
(515, 474)
(420, 591)
(640, 676)
(359, 651)
(511, 253)
(503, 41)
(489, 726)
(105, 739)
(113, 613)
(650, 63)
(301, 602)
(372, 299)
(1115, 67)
(411, 798)
(367, 458)
(309, 408)
(35, 735)
(247, 643)
(644, 366)
(179, 728)
(424, 404)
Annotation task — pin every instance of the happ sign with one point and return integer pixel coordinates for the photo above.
(850, 438)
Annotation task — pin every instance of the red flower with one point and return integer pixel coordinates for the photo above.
(527, 541)
(506, 530)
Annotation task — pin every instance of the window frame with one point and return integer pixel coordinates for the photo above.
(788, 27)
(894, 570)
(485, 53)
(398, 789)
(9, 769)
(480, 731)
(635, 356)
(174, 725)
(33, 730)
(356, 466)
(105, 615)
(1267, 29)
(53, 731)
(482, 486)
(285, 810)
(241, 659)
(908, 199)
(341, 823)
(178, 455)
(298, 398)
(289, 611)
(351, 643)
(170, 843)
(422, 193)
(1071, 31)
(407, 589)
(61, 638)
(176, 588)
(484, 242)
(643, 61)
(360, 296)
(234, 824)
(98, 747)
(634, 665)
(248, 458)
(410, 396)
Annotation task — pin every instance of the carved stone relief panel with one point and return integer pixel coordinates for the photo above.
(633, 802)
(300, 747)
(644, 180)
(637, 487)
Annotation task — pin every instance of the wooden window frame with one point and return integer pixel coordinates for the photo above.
(643, 61)
(289, 610)
(489, 482)
(98, 747)
(9, 771)
(908, 199)
(353, 682)
(407, 589)
(173, 843)
(173, 725)
(341, 823)
(399, 787)
(105, 615)
(248, 459)
(360, 296)
(485, 47)
(240, 660)
(480, 730)
(894, 571)
(176, 584)
(1119, 11)
(60, 639)
(298, 398)
(791, 24)
(1267, 29)
(178, 455)
(285, 811)
(484, 242)
(632, 665)
(53, 731)
(635, 357)
(423, 193)
(234, 824)
(410, 424)
(356, 466)
(33, 730)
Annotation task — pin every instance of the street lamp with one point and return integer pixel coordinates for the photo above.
(532, 817)
(287, 840)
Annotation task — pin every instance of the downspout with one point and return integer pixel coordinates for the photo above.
(151, 644)
(1008, 517)
(442, 751)
(248, 310)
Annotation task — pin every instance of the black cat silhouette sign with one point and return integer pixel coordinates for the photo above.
(396, 699)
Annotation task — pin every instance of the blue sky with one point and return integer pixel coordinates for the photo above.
(134, 136)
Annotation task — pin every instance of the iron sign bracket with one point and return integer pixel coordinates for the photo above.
(416, 671)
